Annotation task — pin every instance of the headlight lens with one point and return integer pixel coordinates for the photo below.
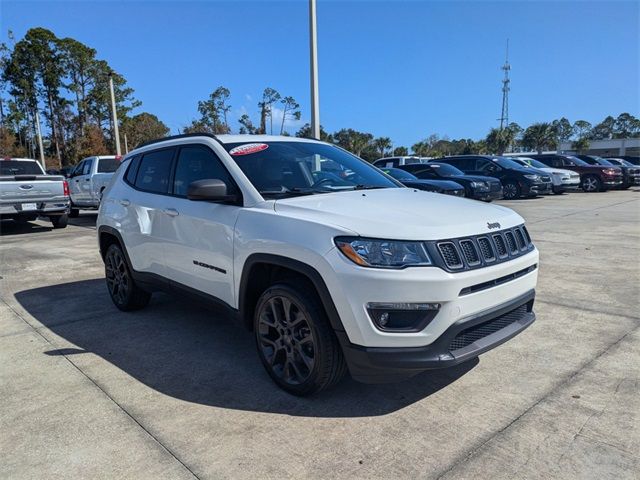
(535, 178)
(368, 252)
(480, 185)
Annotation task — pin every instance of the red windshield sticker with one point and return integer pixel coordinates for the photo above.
(248, 148)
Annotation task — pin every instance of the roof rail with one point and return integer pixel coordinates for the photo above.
(175, 137)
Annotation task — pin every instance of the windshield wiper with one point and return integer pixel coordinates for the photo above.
(286, 192)
(361, 186)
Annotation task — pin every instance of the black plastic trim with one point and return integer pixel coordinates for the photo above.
(383, 364)
(297, 266)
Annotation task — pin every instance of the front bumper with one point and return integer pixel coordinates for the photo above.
(537, 188)
(462, 341)
(487, 196)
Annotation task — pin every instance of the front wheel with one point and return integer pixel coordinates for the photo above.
(124, 291)
(295, 342)
(511, 190)
(591, 184)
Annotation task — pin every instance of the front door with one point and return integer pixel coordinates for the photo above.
(199, 250)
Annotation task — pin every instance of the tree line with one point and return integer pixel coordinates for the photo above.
(63, 83)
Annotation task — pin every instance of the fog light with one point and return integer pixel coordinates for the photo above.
(402, 317)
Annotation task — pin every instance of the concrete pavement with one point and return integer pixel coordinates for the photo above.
(176, 390)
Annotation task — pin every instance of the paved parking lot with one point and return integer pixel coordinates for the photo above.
(177, 391)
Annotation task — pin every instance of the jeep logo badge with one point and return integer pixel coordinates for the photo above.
(493, 225)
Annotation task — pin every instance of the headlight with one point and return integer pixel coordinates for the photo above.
(535, 178)
(481, 185)
(368, 252)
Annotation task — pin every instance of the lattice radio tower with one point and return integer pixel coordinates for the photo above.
(504, 117)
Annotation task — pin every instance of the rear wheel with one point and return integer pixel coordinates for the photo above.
(511, 190)
(124, 291)
(295, 342)
(59, 221)
(591, 183)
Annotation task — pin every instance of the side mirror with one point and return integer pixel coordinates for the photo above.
(209, 189)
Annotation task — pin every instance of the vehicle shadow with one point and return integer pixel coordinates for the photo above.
(203, 356)
(9, 227)
(85, 219)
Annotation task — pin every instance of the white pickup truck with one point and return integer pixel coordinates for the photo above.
(26, 192)
(88, 180)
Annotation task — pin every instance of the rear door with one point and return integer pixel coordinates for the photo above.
(145, 225)
(199, 248)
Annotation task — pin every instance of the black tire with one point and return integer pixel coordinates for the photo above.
(74, 212)
(591, 183)
(59, 221)
(511, 190)
(298, 349)
(123, 290)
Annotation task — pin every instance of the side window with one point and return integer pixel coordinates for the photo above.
(130, 176)
(155, 170)
(486, 165)
(566, 162)
(196, 162)
(77, 170)
(464, 164)
(87, 167)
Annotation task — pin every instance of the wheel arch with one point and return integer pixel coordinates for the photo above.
(261, 269)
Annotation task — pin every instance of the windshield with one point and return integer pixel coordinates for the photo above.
(505, 162)
(108, 165)
(445, 169)
(603, 161)
(578, 161)
(530, 162)
(303, 168)
(399, 174)
(19, 167)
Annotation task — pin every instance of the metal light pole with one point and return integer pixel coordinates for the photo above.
(114, 115)
(39, 132)
(315, 98)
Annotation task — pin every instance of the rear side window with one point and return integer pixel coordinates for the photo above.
(108, 165)
(130, 176)
(155, 170)
(464, 164)
(197, 162)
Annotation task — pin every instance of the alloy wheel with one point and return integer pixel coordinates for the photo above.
(510, 191)
(286, 340)
(590, 184)
(118, 280)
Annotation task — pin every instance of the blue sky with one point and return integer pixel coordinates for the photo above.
(403, 69)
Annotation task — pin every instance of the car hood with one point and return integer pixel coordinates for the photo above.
(444, 184)
(473, 178)
(400, 213)
(557, 170)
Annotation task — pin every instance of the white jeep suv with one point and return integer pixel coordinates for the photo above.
(331, 263)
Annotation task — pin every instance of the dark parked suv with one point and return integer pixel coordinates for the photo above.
(630, 173)
(517, 181)
(593, 178)
(475, 186)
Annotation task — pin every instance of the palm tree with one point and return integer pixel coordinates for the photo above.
(382, 144)
(498, 140)
(539, 136)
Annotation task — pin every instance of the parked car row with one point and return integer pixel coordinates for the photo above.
(488, 177)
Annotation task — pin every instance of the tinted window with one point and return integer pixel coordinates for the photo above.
(17, 167)
(132, 170)
(197, 163)
(464, 164)
(155, 170)
(445, 169)
(108, 165)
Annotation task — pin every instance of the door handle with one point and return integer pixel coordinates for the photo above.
(172, 212)
(125, 203)
(77, 181)
(87, 179)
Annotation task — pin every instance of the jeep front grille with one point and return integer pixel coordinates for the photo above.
(466, 253)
